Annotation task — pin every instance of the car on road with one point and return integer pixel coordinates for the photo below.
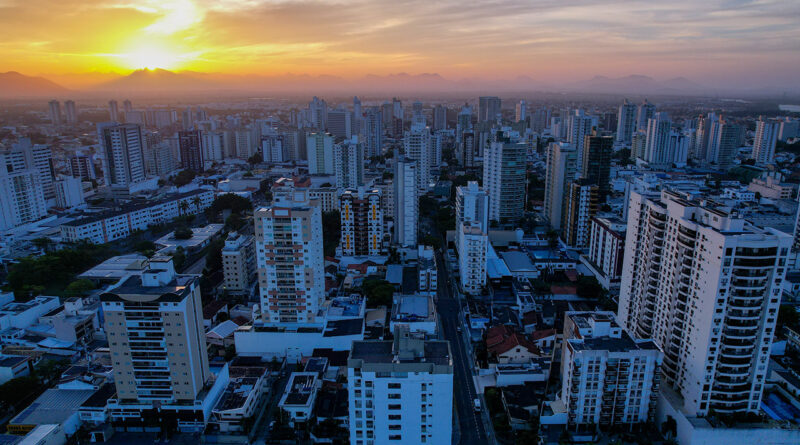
(477, 403)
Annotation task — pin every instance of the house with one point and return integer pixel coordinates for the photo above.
(212, 311)
(544, 339)
(300, 394)
(508, 346)
(222, 334)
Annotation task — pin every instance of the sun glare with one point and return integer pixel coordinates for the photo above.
(151, 57)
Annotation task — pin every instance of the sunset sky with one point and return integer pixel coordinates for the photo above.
(734, 42)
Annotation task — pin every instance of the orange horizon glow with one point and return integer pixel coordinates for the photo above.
(74, 40)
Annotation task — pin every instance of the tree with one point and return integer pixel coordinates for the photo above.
(589, 287)
(430, 240)
(196, 201)
(788, 316)
(331, 231)
(146, 248)
(234, 222)
(183, 206)
(232, 202)
(214, 256)
(79, 288)
(378, 292)
(255, 159)
(183, 232)
(178, 258)
(183, 177)
(43, 243)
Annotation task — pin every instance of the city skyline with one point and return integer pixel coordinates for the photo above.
(723, 44)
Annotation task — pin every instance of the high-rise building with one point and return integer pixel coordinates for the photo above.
(473, 244)
(349, 163)
(362, 231)
(417, 145)
(358, 115)
(765, 140)
(439, 118)
(400, 391)
(607, 248)
(81, 166)
(238, 263)
(597, 161)
(466, 149)
(581, 204)
(504, 178)
(488, 108)
(463, 121)
(54, 112)
(398, 119)
(789, 128)
(127, 106)
(159, 159)
(723, 143)
(320, 154)
(318, 113)
(472, 204)
(291, 272)
(644, 112)
(417, 115)
(540, 120)
(437, 139)
(562, 167)
(71, 113)
(601, 365)
(521, 111)
(273, 149)
(154, 323)
(664, 146)
(703, 137)
(68, 191)
(626, 122)
(579, 126)
(638, 144)
(406, 202)
(340, 124)
(113, 111)
(123, 160)
(24, 155)
(704, 284)
(373, 132)
(191, 150)
(21, 195)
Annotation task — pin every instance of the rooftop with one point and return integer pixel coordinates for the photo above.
(133, 206)
(174, 291)
(300, 388)
(53, 406)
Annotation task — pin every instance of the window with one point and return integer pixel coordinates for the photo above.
(394, 407)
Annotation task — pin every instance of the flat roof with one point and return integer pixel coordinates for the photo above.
(53, 406)
(133, 206)
(175, 290)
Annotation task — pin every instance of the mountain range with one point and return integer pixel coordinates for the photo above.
(159, 81)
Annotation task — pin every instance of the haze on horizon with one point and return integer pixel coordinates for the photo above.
(726, 43)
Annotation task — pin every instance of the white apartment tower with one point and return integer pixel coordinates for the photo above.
(417, 146)
(504, 171)
(765, 140)
(21, 195)
(579, 126)
(473, 244)
(521, 112)
(472, 204)
(643, 114)
(291, 274)
(124, 155)
(320, 154)
(400, 391)
(54, 112)
(705, 286)
(626, 122)
(71, 113)
(349, 163)
(562, 166)
(406, 202)
(608, 378)
(488, 108)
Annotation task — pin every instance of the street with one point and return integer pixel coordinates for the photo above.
(469, 422)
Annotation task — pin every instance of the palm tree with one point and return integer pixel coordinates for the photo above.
(196, 202)
(182, 207)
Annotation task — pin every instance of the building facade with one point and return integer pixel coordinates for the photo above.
(362, 229)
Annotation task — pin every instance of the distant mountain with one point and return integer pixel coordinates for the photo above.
(146, 80)
(636, 84)
(16, 85)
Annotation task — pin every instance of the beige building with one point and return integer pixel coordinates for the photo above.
(238, 262)
(291, 275)
(154, 324)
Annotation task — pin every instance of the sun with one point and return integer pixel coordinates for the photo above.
(151, 57)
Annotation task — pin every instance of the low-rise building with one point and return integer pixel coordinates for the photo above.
(299, 396)
(426, 267)
(415, 312)
(117, 224)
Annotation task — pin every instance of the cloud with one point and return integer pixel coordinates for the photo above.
(545, 39)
